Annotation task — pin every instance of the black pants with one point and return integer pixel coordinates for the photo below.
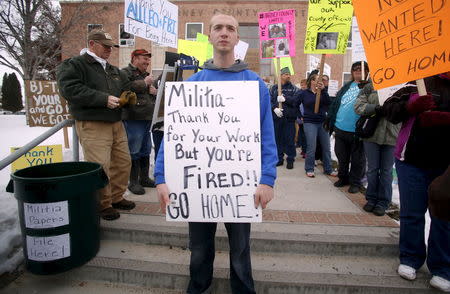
(349, 150)
(201, 243)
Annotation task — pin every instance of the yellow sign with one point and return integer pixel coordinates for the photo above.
(284, 62)
(404, 42)
(204, 38)
(37, 156)
(329, 24)
(193, 48)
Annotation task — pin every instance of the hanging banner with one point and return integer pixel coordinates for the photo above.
(328, 27)
(45, 107)
(277, 33)
(212, 150)
(358, 53)
(404, 42)
(154, 20)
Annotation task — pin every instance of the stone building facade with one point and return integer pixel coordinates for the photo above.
(193, 17)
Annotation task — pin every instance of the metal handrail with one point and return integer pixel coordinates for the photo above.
(36, 141)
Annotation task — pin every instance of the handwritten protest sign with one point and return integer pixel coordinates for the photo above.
(328, 26)
(37, 156)
(198, 50)
(154, 20)
(314, 63)
(358, 53)
(277, 33)
(212, 152)
(45, 107)
(240, 50)
(404, 40)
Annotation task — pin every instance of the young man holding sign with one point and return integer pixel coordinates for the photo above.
(224, 36)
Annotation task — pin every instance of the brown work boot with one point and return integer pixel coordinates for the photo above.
(124, 205)
(109, 214)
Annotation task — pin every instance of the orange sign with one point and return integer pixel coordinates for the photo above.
(404, 40)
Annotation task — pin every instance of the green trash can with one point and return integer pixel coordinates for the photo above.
(58, 212)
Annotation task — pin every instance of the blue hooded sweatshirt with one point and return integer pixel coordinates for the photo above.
(239, 72)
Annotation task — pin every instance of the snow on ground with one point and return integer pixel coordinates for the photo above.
(15, 133)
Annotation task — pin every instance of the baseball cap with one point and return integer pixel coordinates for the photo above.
(142, 52)
(101, 37)
(285, 70)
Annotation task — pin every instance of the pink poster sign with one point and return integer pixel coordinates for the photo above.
(277, 33)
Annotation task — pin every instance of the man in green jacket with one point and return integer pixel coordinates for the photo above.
(92, 86)
(137, 120)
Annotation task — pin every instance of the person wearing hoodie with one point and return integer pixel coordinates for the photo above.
(284, 117)
(341, 120)
(422, 154)
(223, 67)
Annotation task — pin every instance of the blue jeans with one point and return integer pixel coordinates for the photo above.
(314, 132)
(413, 184)
(301, 137)
(285, 138)
(380, 160)
(139, 140)
(201, 244)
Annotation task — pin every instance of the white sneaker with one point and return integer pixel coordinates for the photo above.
(440, 283)
(407, 272)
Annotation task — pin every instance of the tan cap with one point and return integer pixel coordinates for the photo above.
(101, 37)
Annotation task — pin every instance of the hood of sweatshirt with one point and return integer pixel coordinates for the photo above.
(238, 66)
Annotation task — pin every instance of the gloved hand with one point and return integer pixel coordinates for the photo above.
(434, 118)
(362, 84)
(278, 112)
(281, 99)
(421, 104)
(127, 97)
(379, 110)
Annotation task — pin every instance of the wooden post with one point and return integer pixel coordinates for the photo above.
(66, 137)
(362, 70)
(322, 64)
(421, 87)
(280, 105)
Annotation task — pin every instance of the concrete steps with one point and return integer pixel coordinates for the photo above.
(266, 237)
(167, 267)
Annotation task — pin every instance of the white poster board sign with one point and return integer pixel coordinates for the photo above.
(46, 215)
(154, 20)
(212, 150)
(358, 53)
(48, 248)
(240, 50)
(314, 63)
(333, 87)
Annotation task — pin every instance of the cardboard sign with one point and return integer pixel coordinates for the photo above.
(314, 63)
(198, 50)
(46, 215)
(45, 107)
(404, 42)
(48, 248)
(212, 150)
(277, 33)
(154, 20)
(240, 50)
(37, 156)
(358, 53)
(328, 26)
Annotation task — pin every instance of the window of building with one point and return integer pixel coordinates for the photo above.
(346, 77)
(125, 39)
(96, 26)
(192, 28)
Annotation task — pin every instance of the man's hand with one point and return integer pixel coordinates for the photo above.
(113, 102)
(152, 90)
(263, 195)
(421, 104)
(281, 99)
(278, 112)
(163, 196)
(148, 80)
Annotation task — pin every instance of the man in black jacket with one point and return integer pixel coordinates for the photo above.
(92, 86)
(284, 118)
(138, 118)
